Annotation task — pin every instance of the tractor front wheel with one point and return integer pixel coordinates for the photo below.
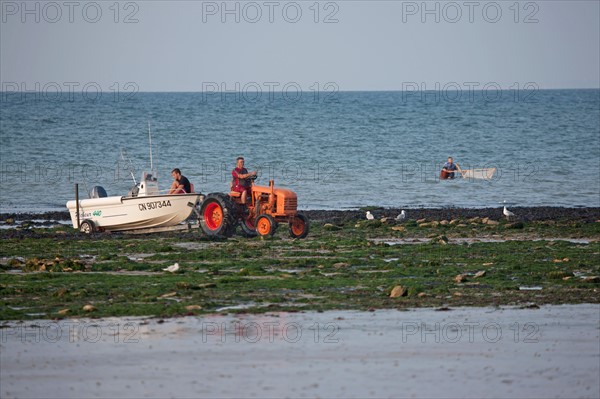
(265, 225)
(299, 226)
(248, 228)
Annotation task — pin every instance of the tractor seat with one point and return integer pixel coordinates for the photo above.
(234, 194)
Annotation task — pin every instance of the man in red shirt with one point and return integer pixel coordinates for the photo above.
(241, 181)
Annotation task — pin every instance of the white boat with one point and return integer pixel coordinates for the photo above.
(142, 208)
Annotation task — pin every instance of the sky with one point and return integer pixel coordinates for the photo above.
(289, 45)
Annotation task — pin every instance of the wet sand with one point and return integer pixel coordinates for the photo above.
(549, 352)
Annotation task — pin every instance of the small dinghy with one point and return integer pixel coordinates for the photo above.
(480, 173)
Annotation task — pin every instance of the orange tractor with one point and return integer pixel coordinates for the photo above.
(267, 206)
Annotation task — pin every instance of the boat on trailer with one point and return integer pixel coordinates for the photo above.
(142, 208)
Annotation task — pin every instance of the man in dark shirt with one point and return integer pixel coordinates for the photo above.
(181, 185)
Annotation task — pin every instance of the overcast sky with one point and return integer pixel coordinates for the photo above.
(354, 45)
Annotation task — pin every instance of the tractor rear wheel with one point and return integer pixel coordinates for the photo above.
(265, 225)
(217, 215)
(299, 226)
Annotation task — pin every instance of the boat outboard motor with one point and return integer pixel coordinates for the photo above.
(98, 192)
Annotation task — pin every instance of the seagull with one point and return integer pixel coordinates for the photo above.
(401, 216)
(370, 216)
(172, 268)
(507, 213)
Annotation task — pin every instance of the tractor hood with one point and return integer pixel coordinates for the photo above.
(286, 201)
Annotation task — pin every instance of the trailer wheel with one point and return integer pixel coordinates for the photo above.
(266, 225)
(299, 226)
(217, 216)
(87, 227)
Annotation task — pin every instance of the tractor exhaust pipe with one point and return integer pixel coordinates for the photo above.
(272, 195)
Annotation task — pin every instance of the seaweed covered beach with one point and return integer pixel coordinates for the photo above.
(436, 258)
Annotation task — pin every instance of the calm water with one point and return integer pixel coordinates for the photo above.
(342, 150)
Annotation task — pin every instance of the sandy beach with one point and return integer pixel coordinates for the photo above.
(547, 352)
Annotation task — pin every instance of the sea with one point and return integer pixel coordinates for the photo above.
(336, 150)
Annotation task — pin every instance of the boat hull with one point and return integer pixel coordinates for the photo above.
(130, 213)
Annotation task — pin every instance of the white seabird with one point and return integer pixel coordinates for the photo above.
(370, 215)
(508, 213)
(401, 216)
(172, 268)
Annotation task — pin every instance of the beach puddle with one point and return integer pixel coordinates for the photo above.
(465, 240)
(192, 246)
(139, 257)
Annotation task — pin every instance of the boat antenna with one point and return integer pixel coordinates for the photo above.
(150, 140)
(131, 168)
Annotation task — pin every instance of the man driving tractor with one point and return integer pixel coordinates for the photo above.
(241, 181)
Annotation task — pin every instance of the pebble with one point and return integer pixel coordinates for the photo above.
(592, 279)
(206, 285)
(398, 291)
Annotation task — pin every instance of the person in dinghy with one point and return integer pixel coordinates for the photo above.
(181, 184)
(449, 170)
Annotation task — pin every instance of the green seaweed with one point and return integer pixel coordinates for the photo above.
(54, 273)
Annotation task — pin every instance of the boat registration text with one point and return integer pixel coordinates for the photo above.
(154, 205)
